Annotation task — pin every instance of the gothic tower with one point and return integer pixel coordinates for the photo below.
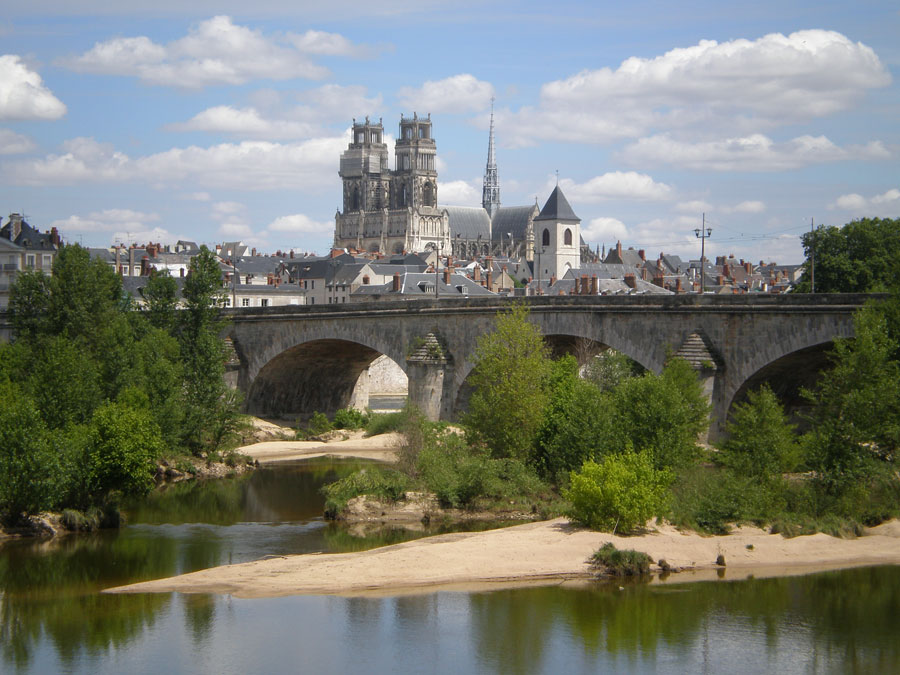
(490, 195)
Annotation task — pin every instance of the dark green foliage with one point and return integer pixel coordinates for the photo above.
(124, 441)
(625, 563)
(856, 409)
(350, 418)
(509, 377)
(576, 422)
(161, 294)
(318, 424)
(860, 257)
(663, 414)
(30, 472)
(760, 443)
(383, 423)
(709, 499)
(620, 493)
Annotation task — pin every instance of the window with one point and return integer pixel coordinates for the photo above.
(354, 199)
(47, 262)
(428, 194)
(312, 283)
(366, 280)
(227, 301)
(407, 133)
(545, 238)
(567, 237)
(264, 302)
(29, 261)
(360, 137)
(245, 302)
(376, 137)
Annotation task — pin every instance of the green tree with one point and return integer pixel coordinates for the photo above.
(608, 369)
(576, 422)
(29, 468)
(619, 493)
(123, 444)
(509, 379)
(760, 442)
(202, 351)
(161, 294)
(862, 256)
(855, 419)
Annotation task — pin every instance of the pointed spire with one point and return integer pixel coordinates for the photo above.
(490, 196)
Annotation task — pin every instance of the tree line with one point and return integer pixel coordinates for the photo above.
(96, 389)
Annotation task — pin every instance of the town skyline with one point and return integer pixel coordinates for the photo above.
(164, 123)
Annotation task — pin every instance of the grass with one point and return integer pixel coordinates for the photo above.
(610, 561)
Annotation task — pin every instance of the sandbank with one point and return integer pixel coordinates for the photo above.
(545, 552)
(378, 448)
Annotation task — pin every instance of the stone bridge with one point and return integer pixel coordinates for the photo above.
(296, 360)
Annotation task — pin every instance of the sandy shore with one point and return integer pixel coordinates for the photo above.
(544, 552)
(378, 448)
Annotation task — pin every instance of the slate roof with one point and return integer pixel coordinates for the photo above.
(468, 222)
(29, 237)
(511, 219)
(421, 285)
(557, 208)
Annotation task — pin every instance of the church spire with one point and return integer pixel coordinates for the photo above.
(490, 196)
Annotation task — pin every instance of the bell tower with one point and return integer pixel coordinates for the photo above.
(415, 178)
(557, 237)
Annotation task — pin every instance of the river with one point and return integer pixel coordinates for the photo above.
(54, 620)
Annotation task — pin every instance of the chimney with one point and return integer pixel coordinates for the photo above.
(490, 278)
(584, 285)
(644, 273)
(447, 275)
(396, 285)
(720, 280)
(659, 280)
(619, 250)
(678, 288)
(630, 281)
(15, 229)
(748, 267)
(145, 266)
(54, 237)
(642, 254)
(477, 272)
(253, 251)
(595, 285)
(292, 254)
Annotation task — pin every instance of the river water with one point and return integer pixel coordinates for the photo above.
(53, 620)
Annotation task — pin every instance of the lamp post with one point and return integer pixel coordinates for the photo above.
(540, 253)
(702, 233)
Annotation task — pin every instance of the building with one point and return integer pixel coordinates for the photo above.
(23, 247)
(391, 211)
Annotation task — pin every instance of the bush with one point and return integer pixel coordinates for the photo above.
(318, 424)
(383, 423)
(620, 493)
(384, 484)
(610, 560)
(350, 418)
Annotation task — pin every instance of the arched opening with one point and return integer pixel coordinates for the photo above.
(786, 377)
(354, 199)
(428, 194)
(567, 237)
(545, 238)
(402, 196)
(323, 376)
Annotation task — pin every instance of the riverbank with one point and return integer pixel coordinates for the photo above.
(354, 444)
(544, 552)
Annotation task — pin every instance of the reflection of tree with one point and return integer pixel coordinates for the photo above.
(199, 611)
(50, 591)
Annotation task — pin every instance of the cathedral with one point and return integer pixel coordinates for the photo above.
(395, 211)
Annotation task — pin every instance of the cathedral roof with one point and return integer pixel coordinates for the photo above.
(469, 221)
(557, 208)
(513, 219)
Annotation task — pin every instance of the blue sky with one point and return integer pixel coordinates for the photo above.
(164, 120)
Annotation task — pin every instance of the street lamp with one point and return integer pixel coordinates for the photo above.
(702, 233)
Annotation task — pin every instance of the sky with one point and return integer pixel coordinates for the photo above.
(158, 120)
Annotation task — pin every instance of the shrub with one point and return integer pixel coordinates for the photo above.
(350, 418)
(318, 424)
(626, 563)
(620, 493)
(383, 423)
(383, 484)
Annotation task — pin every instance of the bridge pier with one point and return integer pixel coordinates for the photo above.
(430, 373)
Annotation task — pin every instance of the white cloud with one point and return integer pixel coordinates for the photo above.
(12, 143)
(749, 153)
(299, 223)
(458, 192)
(227, 210)
(751, 206)
(108, 220)
(627, 185)
(23, 95)
(885, 204)
(157, 234)
(604, 229)
(214, 52)
(249, 165)
(457, 94)
(198, 196)
(770, 81)
(235, 230)
(246, 122)
(694, 206)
